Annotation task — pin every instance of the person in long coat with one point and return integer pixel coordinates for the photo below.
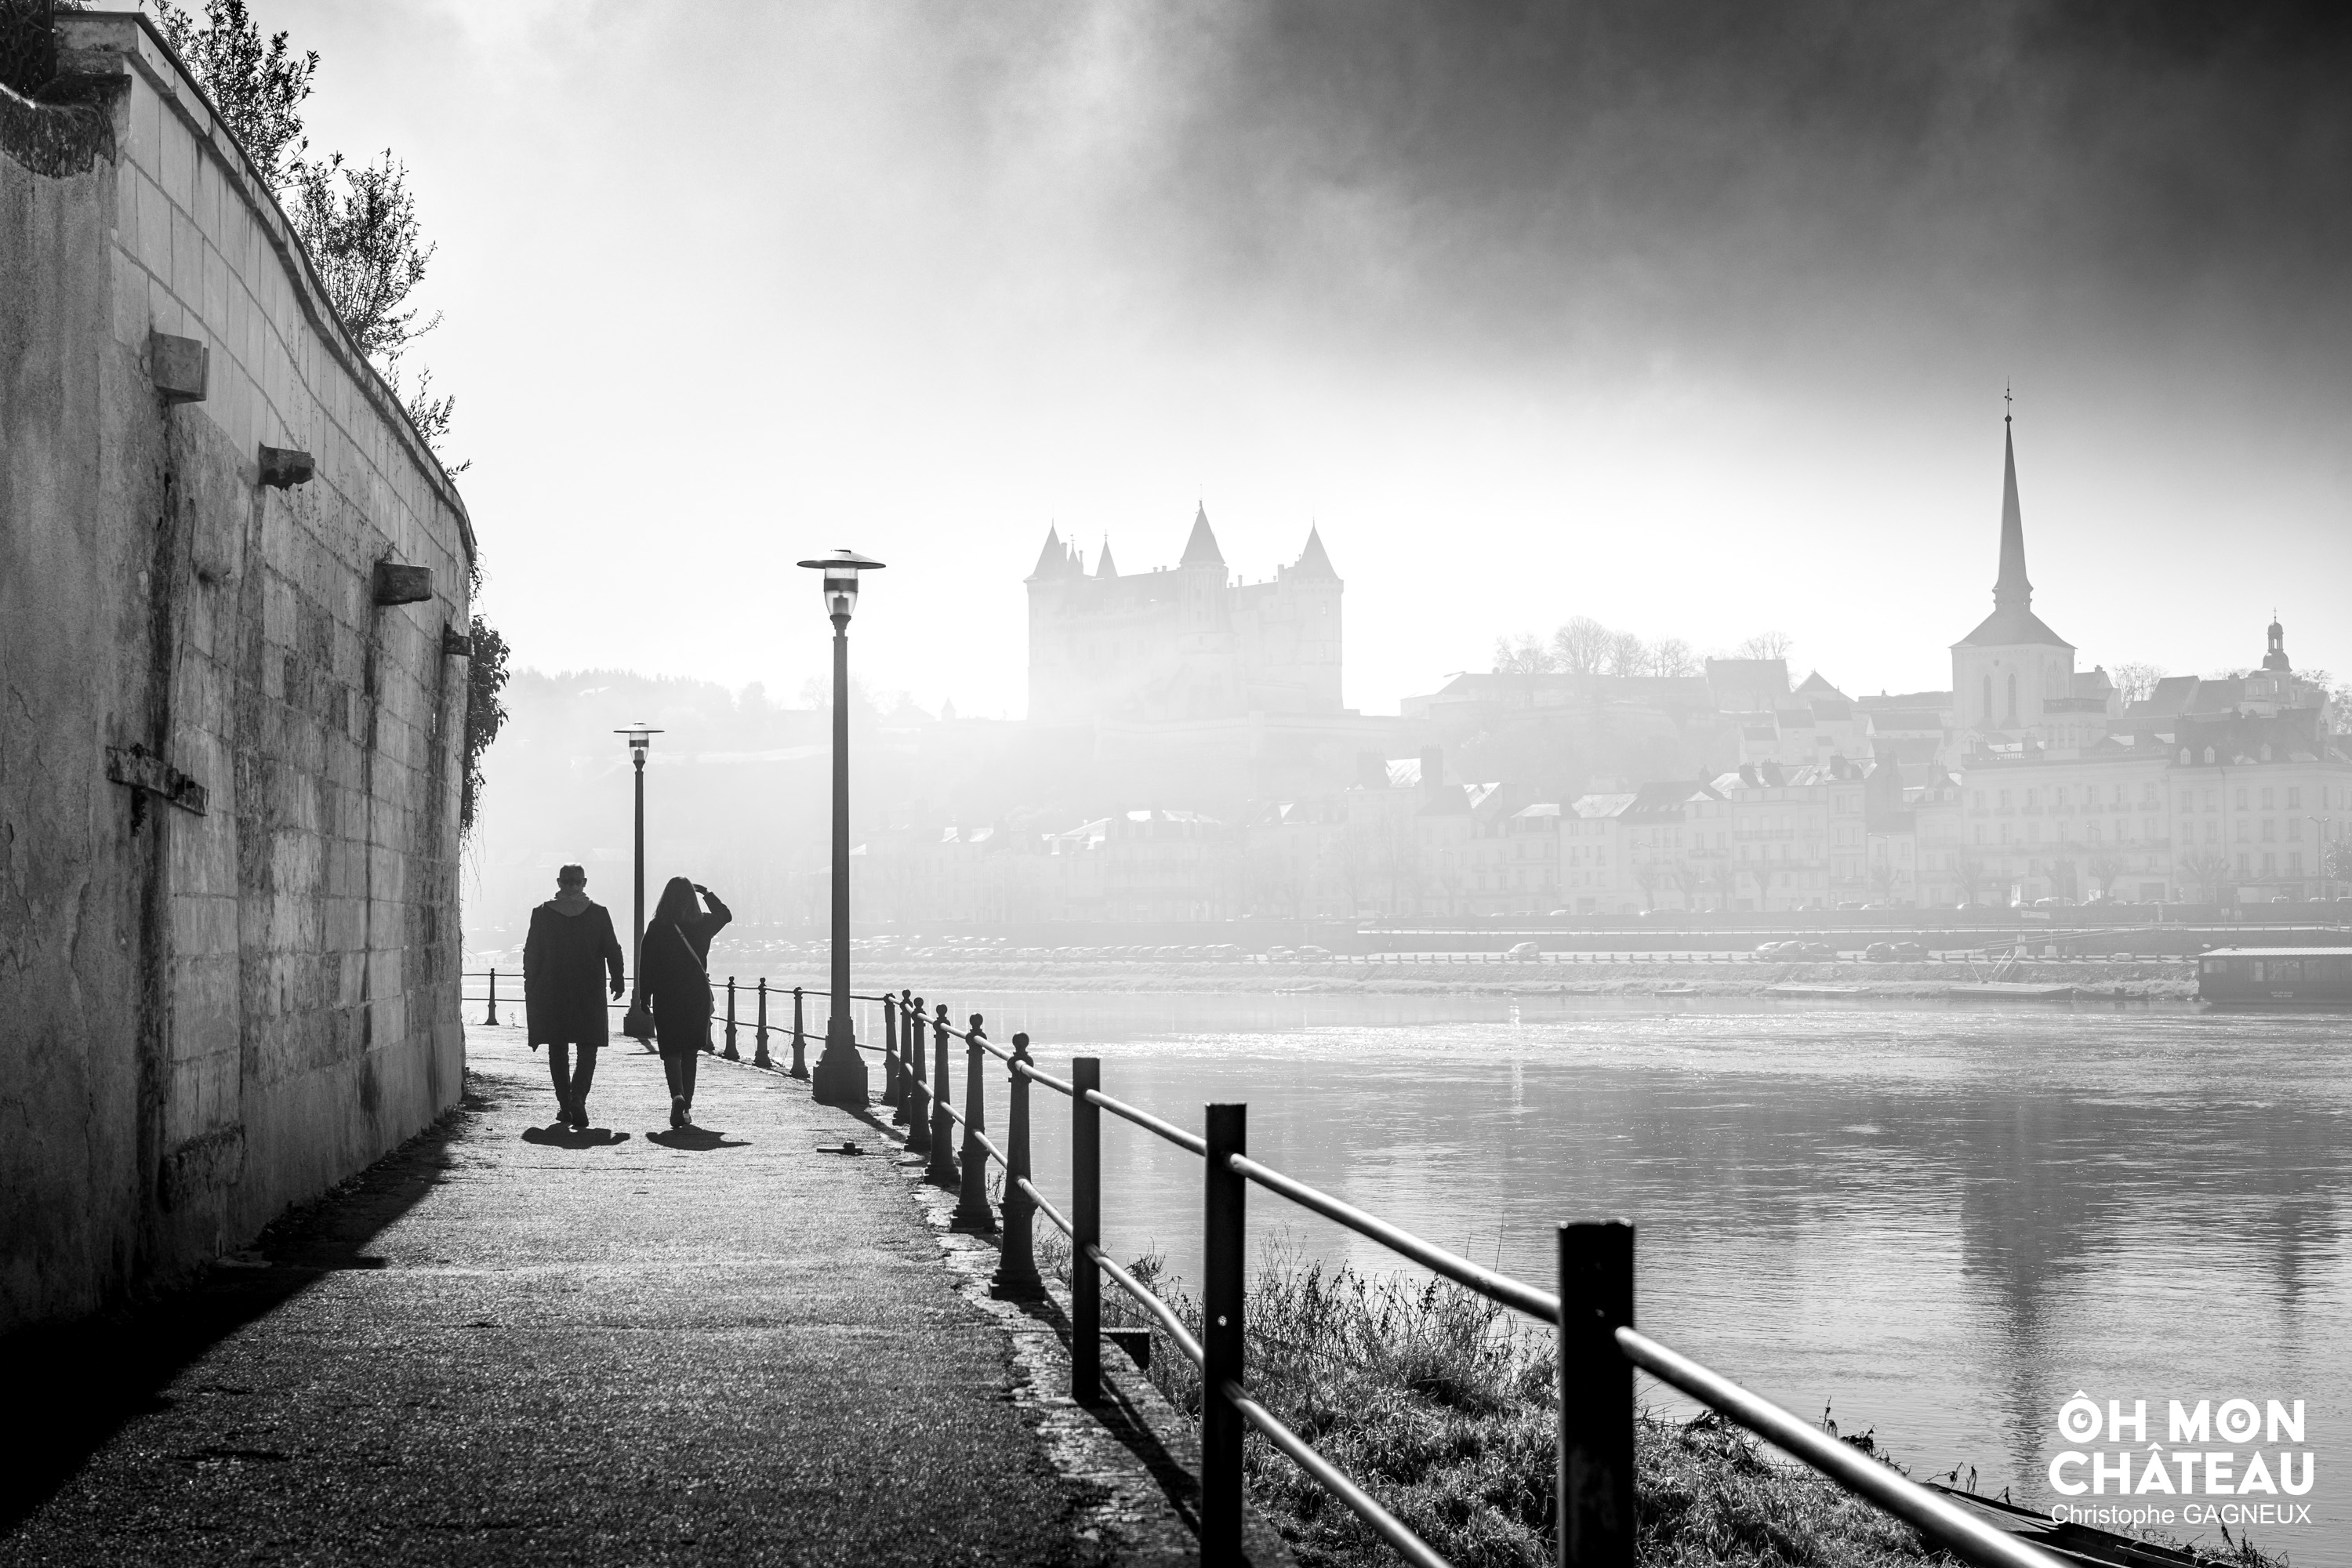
(673, 978)
(571, 948)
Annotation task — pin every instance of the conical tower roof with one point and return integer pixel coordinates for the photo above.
(1053, 561)
(1104, 565)
(1201, 549)
(2012, 622)
(1312, 560)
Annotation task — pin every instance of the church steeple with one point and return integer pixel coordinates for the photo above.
(2011, 591)
(1201, 549)
(2012, 623)
(1104, 565)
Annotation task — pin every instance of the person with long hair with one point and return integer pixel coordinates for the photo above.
(570, 947)
(673, 971)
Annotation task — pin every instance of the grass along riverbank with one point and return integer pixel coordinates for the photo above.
(1432, 1399)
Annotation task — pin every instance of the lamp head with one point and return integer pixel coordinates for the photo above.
(640, 737)
(841, 569)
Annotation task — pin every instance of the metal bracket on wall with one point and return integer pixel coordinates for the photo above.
(150, 774)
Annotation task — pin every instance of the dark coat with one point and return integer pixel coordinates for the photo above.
(673, 970)
(566, 963)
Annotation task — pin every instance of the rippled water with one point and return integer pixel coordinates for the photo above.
(1940, 1221)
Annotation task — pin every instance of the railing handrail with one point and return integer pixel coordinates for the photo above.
(1944, 1522)
(1494, 1285)
(1150, 1124)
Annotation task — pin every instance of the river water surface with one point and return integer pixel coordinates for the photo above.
(1937, 1221)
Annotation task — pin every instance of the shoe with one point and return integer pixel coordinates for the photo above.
(580, 1116)
(678, 1111)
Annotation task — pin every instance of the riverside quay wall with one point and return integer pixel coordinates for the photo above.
(233, 588)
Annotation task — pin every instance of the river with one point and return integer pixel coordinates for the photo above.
(1936, 1221)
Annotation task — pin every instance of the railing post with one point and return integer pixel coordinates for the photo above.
(759, 1035)
(915, 1110)
(730, 1053)
(1221, 1339)
(1596, 1396)
(942, 1169)
(1086, 1220)
(800, 1035)
(971, 1200)
(911, 1067)
(494, 998)
(890, 1050)
(1016, 1260)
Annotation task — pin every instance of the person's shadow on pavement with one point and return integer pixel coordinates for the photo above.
(695, 1138)
(575, 1137)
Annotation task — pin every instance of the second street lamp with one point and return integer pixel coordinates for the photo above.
(840, 1075)
(637, 1022)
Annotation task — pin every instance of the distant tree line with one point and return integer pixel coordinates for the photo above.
(1584, 647)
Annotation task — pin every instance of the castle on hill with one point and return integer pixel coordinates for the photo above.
(1186, 643)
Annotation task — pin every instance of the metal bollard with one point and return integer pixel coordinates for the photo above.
(890, 1050)
(915, 1110)
(972, 1198)
(1596, 1396)
(1086, 1220)
(493, 1018)
(911, 1065)
(760, 1036)
(1221, 1338)
(1016, 1259)
(730, 1053)
(800, 1035)
(941, 1172)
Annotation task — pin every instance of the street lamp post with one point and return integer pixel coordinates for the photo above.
(637, 1022)
(840, 1075)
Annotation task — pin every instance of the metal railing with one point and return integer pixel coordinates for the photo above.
(1592, 1310)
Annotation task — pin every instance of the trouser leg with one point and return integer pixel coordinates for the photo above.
(669, 1072)
(583, 1076)
(688, 1060)
(558, 1068)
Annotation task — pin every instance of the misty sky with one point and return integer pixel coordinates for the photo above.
(1692, 317)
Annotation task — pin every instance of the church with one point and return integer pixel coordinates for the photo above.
(2012, 677)
(1186, 643)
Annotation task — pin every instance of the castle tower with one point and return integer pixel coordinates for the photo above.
(2007, 670)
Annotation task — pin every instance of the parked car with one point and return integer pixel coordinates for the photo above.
(1311, 954)
(1525, 951)
(1893, 952)
(1279, 955)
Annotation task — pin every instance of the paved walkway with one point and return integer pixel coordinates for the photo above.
(643, 1348)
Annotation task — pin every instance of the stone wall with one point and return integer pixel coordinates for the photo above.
(230, 777)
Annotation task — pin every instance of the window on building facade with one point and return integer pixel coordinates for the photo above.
(2294, 829)
(2293, 796)
(2295, 862)
(2241, 800)
(2267, 794)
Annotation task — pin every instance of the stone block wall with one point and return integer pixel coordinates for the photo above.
(230, 779)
